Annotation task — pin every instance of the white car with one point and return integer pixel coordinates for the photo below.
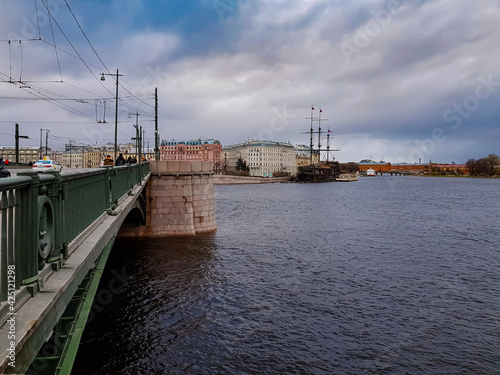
(46, 165)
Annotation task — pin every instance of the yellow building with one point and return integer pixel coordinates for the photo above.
(26, 154)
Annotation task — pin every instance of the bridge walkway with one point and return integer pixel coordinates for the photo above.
(54, 228)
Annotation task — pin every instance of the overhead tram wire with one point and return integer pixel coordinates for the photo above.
(62, 122)
(58, 99)
(78, 56)
(87, 64)
(74, 111)
(42, 94)
(135, 108)
(54, 39)
(74, 49)
(37, 20)
(85, 35)
(56, 48)
(102, 62)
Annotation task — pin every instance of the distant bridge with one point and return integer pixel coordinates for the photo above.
(57, 231)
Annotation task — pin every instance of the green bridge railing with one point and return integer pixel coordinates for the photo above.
(41, 214)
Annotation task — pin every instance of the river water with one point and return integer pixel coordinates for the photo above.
(387, 275)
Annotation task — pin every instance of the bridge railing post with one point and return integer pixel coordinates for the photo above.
(27, 257)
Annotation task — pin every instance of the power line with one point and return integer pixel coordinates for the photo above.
(37, 20)
(74, 49)
(69, 99)
(53, 38)
(85, 35)
(55, 98)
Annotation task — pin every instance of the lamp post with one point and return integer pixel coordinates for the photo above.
(136, 141)
(17, 142)
(116, 108)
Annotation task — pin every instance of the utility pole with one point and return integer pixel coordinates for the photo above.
(47, 142)
(70, 153)
(140, 144)
(136, 141)
(116, 106)
(17, 142)
(157, 150)
(143, 141)
(41, 147)
(137, 136)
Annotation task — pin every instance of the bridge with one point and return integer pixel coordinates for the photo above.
(57, 231)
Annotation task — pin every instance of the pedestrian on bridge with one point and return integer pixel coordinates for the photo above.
(108, 160)
(120, 160)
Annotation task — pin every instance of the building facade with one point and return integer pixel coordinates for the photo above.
(386, 167)
(193, 150)
(264, 158)
(303, 156)
(26, 154)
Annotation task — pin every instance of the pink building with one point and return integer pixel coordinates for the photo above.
(198, 150)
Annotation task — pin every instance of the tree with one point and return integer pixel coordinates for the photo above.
(492, 160)
(352, 167)
(241, 165)
(479, 167)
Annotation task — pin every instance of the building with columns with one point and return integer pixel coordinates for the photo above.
(26, 154)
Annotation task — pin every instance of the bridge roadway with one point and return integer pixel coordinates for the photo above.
(56, 232)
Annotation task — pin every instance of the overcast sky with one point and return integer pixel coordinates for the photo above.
(398, 80)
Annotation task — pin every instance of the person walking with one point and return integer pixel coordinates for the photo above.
(120, 160)
(108, 161)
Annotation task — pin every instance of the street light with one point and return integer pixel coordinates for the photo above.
(116, 109)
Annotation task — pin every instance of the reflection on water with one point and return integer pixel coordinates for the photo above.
(388, 275)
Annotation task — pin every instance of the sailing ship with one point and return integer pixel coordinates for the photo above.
(321, 171)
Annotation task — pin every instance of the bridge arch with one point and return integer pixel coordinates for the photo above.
(137, 214)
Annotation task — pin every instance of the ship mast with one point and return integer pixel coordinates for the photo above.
(319, 133)
(311, 145)
(327, 146)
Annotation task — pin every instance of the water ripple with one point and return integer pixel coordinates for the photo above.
(393, 275)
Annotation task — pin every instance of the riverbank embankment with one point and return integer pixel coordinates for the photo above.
(234, 180)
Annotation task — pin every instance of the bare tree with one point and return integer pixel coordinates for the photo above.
(492, 160)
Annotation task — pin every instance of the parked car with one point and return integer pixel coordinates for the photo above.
(46, 165)
(4, 172)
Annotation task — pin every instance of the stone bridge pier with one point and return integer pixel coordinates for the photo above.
(179, 201)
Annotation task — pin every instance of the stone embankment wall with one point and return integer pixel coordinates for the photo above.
(179, 199)
(232, 180)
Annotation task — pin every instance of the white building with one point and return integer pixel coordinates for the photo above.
(264, 158)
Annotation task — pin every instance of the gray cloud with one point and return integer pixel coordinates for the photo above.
(226, 78)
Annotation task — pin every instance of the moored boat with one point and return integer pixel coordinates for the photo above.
(371, 172)
(347, 177)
